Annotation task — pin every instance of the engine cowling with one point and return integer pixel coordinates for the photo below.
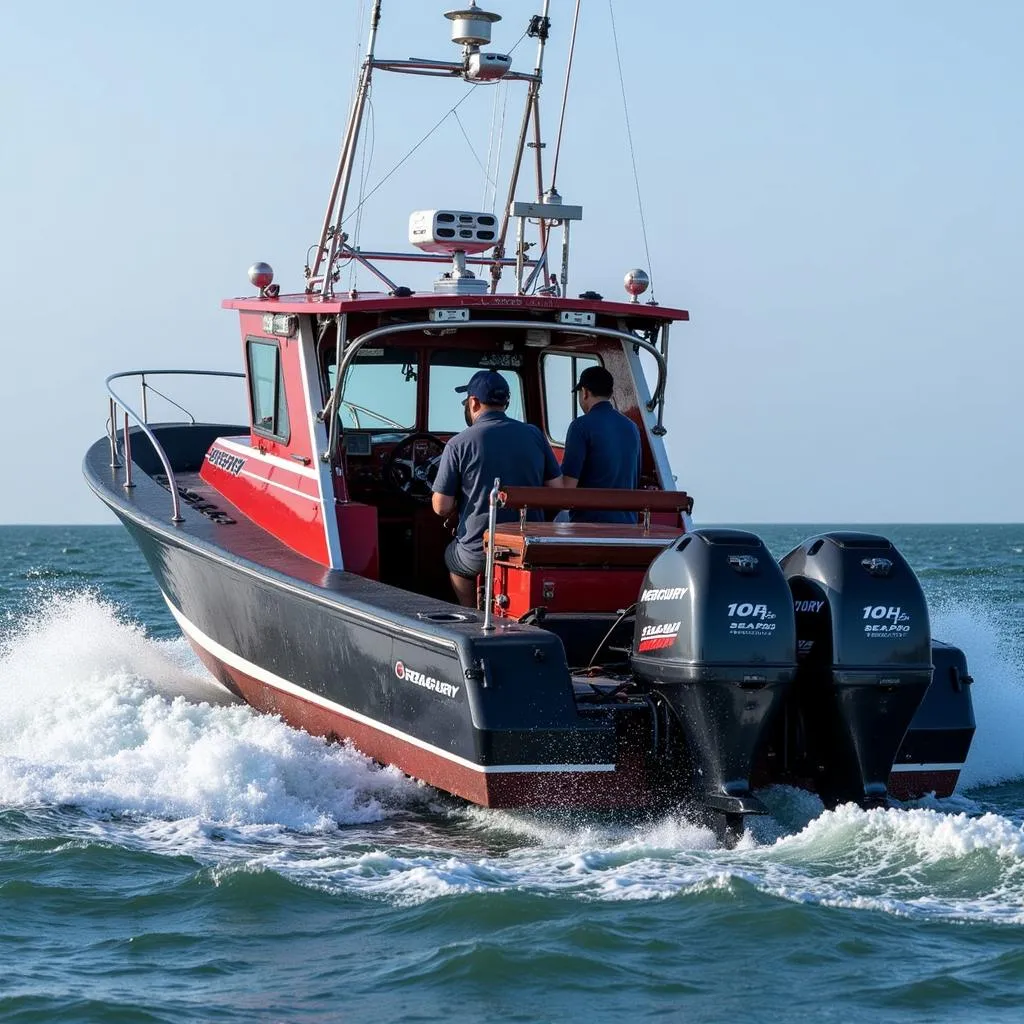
(865, 661)
(715, 637)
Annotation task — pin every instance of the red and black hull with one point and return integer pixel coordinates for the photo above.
(410, 680)
(415, 682)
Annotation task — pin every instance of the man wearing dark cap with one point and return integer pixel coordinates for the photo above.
(492, 446)
(602, 447)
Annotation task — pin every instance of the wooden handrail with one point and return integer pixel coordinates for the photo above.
(609, 499)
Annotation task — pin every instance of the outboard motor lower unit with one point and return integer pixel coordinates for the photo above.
(864, 653)
(715, 637)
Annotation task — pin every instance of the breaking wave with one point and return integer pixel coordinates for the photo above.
(996, 661)
(131, 741)
(97, 715)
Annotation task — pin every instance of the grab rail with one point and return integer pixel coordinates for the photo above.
(657, 399)
(610, 498)
(141, 421)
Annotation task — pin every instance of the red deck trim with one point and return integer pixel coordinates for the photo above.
(370, 302)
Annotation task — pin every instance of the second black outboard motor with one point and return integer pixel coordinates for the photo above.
(715, 637)
(864, 653)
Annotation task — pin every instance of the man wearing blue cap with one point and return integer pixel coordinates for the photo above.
(492, 446)
(602, 447)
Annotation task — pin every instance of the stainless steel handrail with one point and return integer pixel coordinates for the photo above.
(116, 400)
(379, 332)
(492, 521)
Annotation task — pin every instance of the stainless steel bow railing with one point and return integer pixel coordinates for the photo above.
(141, 421)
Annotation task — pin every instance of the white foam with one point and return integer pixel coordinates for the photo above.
(915, 862)
(997, 666)
(96, 715)
(79, 638)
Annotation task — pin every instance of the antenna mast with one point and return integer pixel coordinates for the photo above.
(471, 29)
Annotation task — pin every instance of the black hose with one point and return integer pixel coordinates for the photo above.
(615, 625)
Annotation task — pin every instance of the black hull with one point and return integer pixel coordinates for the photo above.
(413, 681)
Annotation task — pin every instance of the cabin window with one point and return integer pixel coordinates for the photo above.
(452, 369)
(266, 390)
(380, 390)
(560, 371)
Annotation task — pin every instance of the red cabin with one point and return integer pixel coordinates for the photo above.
(354, 492)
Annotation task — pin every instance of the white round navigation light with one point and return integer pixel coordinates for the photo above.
(636, 282)
(261, 275)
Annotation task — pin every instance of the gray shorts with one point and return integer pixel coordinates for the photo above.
(461, 564)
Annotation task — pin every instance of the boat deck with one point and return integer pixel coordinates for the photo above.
(215, 527)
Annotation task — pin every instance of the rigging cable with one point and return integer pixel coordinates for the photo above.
(490, 147)
(437, 125)
(501, 92)
(444, 117)
(368, 146)
(494, 153)
(501, 142)
(360, 35)
(632, 151)
(565, 93)
(465, 135)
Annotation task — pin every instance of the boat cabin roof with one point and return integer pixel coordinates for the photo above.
(368, 302)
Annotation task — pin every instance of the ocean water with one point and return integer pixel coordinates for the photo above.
(168, 855)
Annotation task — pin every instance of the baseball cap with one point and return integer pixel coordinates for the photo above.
(488, 386)
(597, 380)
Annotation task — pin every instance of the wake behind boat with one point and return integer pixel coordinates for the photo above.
(606, 665)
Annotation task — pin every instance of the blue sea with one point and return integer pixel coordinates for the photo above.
(169, 855)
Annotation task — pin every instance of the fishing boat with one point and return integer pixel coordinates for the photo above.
(607, 665)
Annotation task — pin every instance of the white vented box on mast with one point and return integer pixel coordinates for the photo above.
(450, 231)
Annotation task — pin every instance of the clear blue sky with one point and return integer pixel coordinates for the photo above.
(833, 190)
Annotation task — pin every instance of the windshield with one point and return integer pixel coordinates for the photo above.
(381, 385)
(380, 390)
(559, 373)
(453, 368)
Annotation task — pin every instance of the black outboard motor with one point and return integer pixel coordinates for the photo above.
(715, 637)
(864, 654)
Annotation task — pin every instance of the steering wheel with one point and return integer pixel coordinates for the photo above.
(411, 466)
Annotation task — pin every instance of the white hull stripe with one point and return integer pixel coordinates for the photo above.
(951, 767)
(237, 662)
(284, 487)
(248, 452)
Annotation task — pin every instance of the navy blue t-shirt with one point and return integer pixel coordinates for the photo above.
(602, 449)
(495, 446)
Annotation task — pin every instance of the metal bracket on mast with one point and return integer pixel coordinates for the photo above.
(538, 29)
(552, 212)
(471, 28)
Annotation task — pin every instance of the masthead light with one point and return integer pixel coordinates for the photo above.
(472, 26)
